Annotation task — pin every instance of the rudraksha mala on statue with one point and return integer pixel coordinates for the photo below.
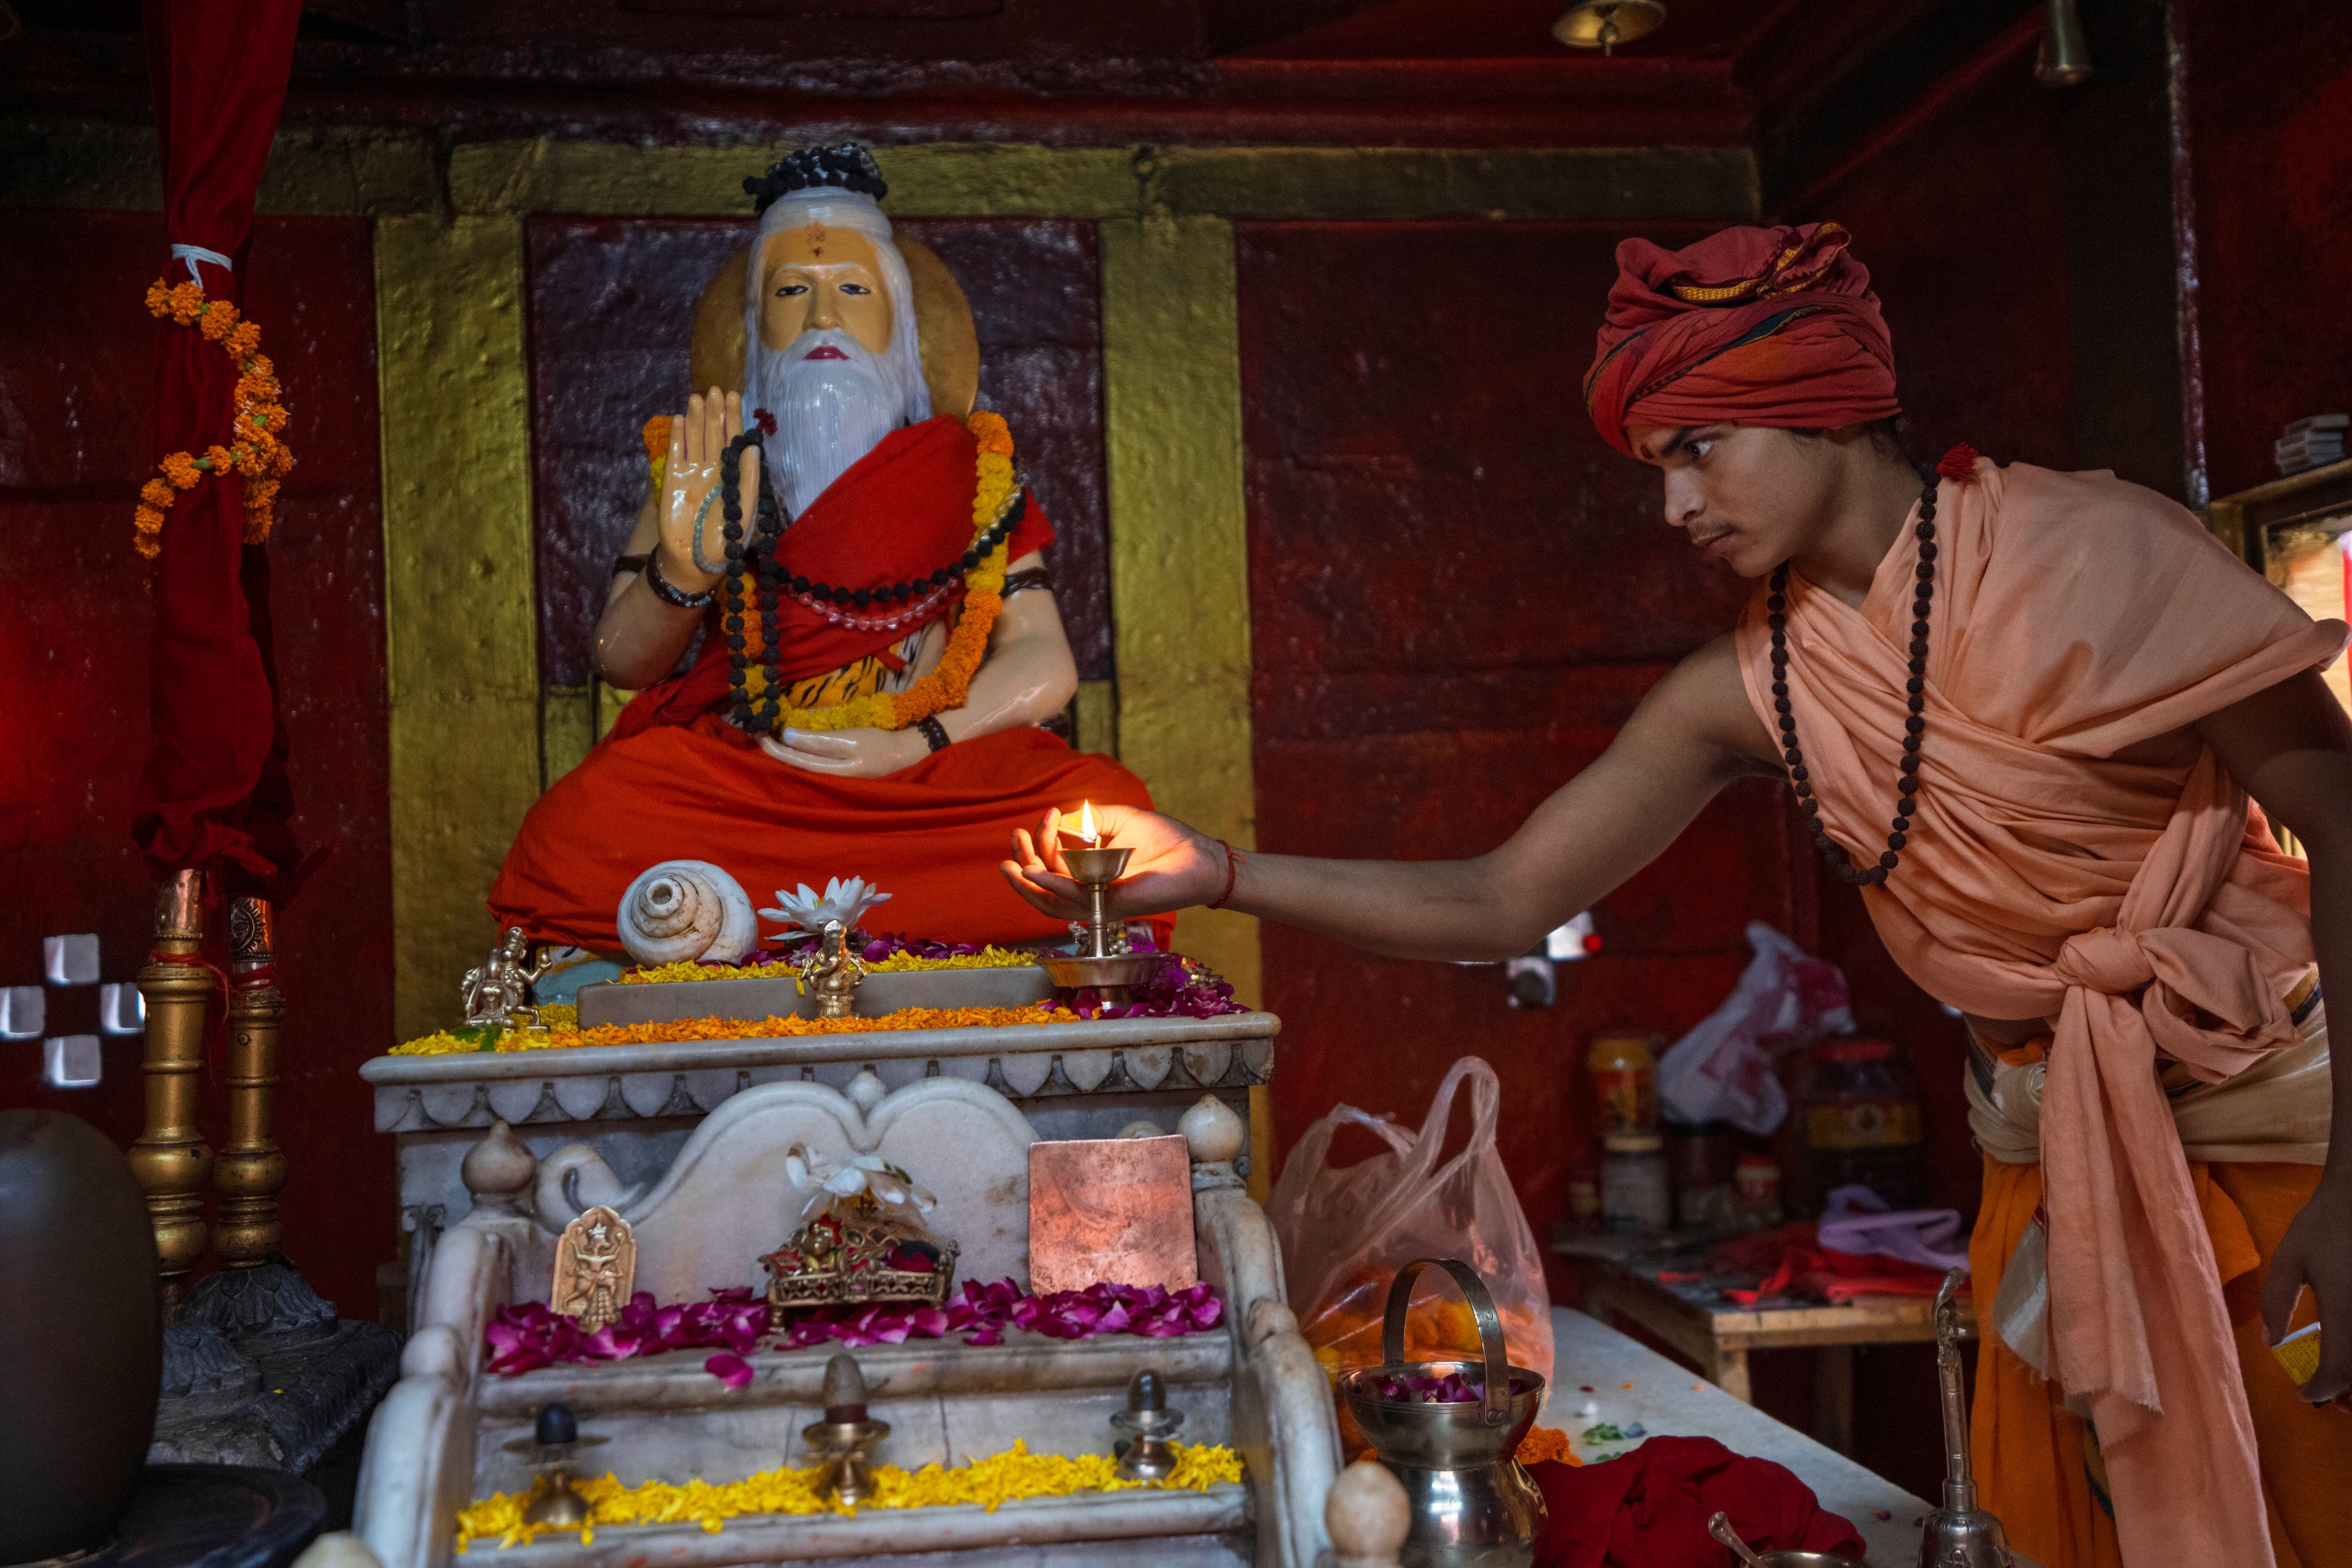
(755, 570)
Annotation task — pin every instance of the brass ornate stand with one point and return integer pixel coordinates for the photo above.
(253, 1322)
(250, 1170)
(170, 1160)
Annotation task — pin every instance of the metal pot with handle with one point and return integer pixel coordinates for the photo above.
(1473, 1505)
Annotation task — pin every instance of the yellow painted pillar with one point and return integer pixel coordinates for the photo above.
(461, 649)
(1180, 541)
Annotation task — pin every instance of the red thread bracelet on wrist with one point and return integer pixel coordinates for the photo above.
(1234, 859)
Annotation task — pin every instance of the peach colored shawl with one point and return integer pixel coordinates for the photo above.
(2078, 855)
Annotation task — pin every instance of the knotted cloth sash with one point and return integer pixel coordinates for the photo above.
(2078, 855)
(1758, 326)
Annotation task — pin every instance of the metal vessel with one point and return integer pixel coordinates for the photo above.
(1473, 1505)
(1960, 1534)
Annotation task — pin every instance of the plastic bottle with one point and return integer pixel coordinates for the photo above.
(1858, 1102)
(1626, 1077)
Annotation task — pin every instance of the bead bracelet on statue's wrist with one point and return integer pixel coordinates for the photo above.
(935, 733)
(670, 594)
(1232, 868)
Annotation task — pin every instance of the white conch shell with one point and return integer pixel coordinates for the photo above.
(680, 910)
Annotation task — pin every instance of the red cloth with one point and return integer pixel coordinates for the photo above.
(1755, 326)
(1649, 1508)
(929, 835)
(675, 779)
(1792, 1255)
(900, 511)
(214, 790)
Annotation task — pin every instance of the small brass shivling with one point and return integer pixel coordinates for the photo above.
(1150, 1426)
(554, 1438)
(840, 1440)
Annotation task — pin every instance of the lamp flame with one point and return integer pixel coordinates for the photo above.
(1086, 823)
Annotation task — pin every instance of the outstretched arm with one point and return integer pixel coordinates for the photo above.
(1693, 734)
(2291, 746)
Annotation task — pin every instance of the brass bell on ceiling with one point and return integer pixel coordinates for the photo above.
(2065, 59)
(1605, 24)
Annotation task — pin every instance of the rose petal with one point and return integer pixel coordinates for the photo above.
(731, 1370)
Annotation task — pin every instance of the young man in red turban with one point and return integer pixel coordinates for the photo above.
(2025, 712)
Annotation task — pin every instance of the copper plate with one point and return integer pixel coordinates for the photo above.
(1110, 1210)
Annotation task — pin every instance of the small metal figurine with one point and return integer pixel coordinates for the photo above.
(498, 991)
(1150, 1426)
(1960, 1534)
(832, 973)
(554, 1438)
(596, 1269)
(841, 1439)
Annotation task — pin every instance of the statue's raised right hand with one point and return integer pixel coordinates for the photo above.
(698, 443)
(1175, 867)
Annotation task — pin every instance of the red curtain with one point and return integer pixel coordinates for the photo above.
(214, 793)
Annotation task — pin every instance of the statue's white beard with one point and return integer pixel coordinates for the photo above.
(829, 413)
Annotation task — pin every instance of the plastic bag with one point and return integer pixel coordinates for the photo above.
(1723, 1070)
(1345, 1232)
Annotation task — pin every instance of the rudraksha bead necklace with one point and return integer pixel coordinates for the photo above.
(756, 561)
(1914, 727)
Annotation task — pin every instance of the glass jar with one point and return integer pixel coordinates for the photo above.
(1858, 1105)
(1700, 1159)
(1757, 1179)
(1633, 1195)
(1584, 1202)
(1626, 1077)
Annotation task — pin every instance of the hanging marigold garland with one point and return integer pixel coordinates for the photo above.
(256, 453)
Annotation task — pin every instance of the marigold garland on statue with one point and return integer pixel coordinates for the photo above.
(945, 688)
(257, 417)
(1016, 1475)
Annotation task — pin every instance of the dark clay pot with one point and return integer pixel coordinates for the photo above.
(80, 1341)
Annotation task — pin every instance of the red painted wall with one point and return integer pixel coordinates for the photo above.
(73, 683)
(1457, 595)
(2269, 138)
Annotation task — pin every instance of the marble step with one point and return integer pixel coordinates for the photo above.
(780, 996)
(1186, 1530)
(665, 1418)
(1024, 1362)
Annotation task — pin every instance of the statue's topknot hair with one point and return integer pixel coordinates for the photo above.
(848, 166)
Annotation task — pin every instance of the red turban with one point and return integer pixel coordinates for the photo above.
(1756, 326)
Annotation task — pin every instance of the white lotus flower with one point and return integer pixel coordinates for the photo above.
(847, 901)
(868, 1173)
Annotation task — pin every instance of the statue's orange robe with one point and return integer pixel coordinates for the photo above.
(676, 779)
(2078, 855)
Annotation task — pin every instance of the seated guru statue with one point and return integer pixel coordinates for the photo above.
(880, 639)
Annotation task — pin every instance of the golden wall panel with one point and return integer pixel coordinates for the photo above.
(462, 661)
(947, 179)
(927, 179)
(1180, 541)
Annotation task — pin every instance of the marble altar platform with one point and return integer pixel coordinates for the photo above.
(636, 1104)
(440, 1437)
